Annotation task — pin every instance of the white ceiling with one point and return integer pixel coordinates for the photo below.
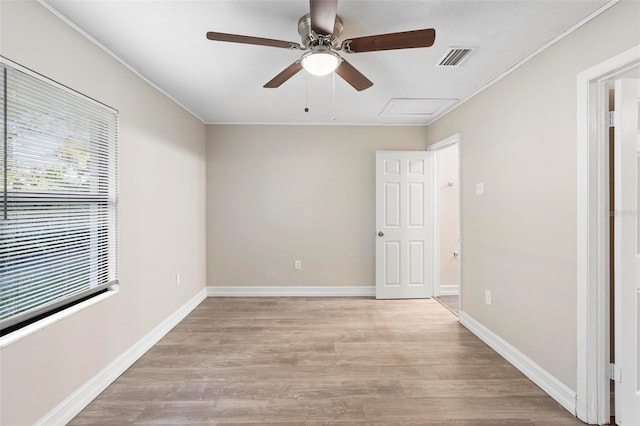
(222, 82)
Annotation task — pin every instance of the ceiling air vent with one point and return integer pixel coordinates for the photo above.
(455, 56)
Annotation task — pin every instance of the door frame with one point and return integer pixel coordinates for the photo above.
(445, 143)
(593, 337)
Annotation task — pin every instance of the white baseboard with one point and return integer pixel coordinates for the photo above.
(86, 393)
(291, 291)
(548, 383)
(449, 289)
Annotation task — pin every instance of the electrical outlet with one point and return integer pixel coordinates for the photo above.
(178, 280)
(487, 297)
(480, 188)
(297, 264)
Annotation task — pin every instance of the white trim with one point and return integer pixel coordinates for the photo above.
(547, 382)
(460, 216)
(23, 332)
(592, 404)
(333, 123)
(453, 139)
(67, 21)
(291, 291)
(449, 290)
(527, 59)
(79, 399)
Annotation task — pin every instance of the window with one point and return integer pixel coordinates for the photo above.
(58, 196)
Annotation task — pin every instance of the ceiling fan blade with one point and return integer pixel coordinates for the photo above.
(233, 38)
(391, 41)
(323, 15)
(352, 76)
(285, 75)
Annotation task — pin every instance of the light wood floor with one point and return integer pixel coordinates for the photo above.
(324, 361)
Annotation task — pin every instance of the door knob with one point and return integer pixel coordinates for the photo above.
(380, 234)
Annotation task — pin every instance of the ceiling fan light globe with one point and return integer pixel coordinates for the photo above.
(320, 63)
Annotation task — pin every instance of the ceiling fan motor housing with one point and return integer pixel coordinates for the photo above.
(310, 39)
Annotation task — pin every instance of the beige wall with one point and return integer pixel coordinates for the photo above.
(162, 217)
(448, 202)
(519, 240)
(280, 193)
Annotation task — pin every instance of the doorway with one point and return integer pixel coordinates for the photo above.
(604, 276)
(447, 223)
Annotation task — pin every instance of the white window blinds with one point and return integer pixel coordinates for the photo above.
(58, 196)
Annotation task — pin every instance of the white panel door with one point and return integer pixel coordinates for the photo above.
(627, 251)
(404, 224)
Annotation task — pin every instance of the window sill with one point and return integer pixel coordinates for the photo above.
(20, 334)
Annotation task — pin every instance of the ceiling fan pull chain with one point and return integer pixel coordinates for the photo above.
(333, 96)
(306, 92)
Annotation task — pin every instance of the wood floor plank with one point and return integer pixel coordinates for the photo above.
(414, 388)
(322, 361)
(464, 408)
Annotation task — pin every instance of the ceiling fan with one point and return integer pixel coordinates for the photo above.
(320, 31)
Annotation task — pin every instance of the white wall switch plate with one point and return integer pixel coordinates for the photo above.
(297, 264)
(177, 280)
(480, 188)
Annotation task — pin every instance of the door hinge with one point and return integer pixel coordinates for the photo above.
(615, 373)
(613, 118)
